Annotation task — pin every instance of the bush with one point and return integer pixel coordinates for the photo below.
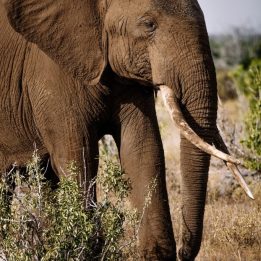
(249, 82)
(43, 224)
(226, 86)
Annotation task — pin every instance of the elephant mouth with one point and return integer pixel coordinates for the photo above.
(220, 150)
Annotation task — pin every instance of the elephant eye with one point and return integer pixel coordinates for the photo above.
(149, 24)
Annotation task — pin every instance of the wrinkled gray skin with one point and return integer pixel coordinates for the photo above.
(74, 70)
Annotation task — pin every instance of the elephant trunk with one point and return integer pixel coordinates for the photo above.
(195, 115)
(194, 111)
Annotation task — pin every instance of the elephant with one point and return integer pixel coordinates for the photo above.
(75, 70)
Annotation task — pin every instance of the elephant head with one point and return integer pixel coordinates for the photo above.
(160, 44)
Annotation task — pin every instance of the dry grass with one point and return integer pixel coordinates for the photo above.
(232, 226)
(232, 231)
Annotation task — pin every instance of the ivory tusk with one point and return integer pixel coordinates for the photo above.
(236, 173)
(220, 144)
(171, 103)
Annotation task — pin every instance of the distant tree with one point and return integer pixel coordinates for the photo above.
(215, 48)
(240, 46)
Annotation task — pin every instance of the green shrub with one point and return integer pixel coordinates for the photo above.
(43, 224)
(249, 82)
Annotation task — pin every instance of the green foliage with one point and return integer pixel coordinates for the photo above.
(22, 224)
(46, 225)
(112, 180)
(112, 211)
(249, 82)
(70, 233)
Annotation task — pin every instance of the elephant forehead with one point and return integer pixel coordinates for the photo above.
(181, 7)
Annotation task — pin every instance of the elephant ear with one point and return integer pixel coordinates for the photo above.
(68, 31)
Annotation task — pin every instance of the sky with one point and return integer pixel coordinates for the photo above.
(222, 15)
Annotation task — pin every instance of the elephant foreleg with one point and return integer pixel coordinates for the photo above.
(142, 159)
(73, 147)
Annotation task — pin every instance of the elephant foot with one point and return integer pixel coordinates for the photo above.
(185, 254)
(189, 248)
(153, 257)
(158, 254)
